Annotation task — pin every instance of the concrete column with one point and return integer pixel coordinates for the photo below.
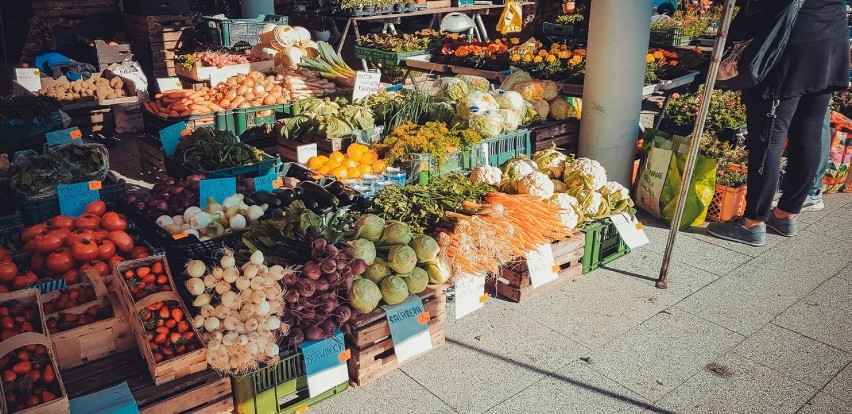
(612, 93)
(252, 8)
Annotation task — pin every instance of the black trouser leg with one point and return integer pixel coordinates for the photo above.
(765, 143)
(804, 151)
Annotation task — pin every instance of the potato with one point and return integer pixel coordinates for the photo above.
(112, 95)
(76, 87)
(114, 81)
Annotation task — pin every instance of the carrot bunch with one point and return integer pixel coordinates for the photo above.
(504, 227)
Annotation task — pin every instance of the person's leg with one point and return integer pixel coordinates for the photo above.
(805, 152)
(814, 200)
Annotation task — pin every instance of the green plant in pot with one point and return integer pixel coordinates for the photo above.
(355, 7)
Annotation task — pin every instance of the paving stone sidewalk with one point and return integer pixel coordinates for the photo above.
(740, 330)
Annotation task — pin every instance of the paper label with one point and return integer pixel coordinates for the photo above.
(366, 84)
(470, 295)
(168, 84)
(630, 230)
(540, 264)
(64, 136)
(73, 198)
(29, 78)
(325, 364)
(218, 188)
(268, 183)
(170, 137)
(410, 336)
(305, 152)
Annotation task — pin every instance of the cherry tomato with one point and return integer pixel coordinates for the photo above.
(22, 367)
(48, 375)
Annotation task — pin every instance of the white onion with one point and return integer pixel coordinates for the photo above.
(242, 283)
(210, 281)
(228, 261)
(179, 220)
(221, 311)
(254, 212)
(262, 342)
(217, 272)
(230, 323)
(195, 268)
(253, 336)
(191, 232)
(211, 324)
(195, 286)
(201, 300)
(230, 274)
(232, 201)
(256, 257)
(237, 222)
(206, 310)
(164, 221)
(229, 338)
(277, 272)
(229, 299)
(251, 325)
(222, 287)
(251, 348)
(198, 321)
(242, 340)
(272, 350)
(250, 271)
(257, 284)
(273, 323)
(189, 212)
(263, 308)
(217, 336)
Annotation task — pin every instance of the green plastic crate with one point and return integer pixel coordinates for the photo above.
(223, 121)
(421, 167)
(671, 37)
(603, 244)
(506, 146)
(385, 57)
(556, 29)
(278, 389)
(257, 122)
(269, 165)
(229, 32)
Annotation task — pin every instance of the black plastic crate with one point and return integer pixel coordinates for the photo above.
(112, 191)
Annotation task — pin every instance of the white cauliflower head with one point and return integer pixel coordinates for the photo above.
(486, 174)
(569, 216)
(584, 173)
(550, 161)
(515, 169)
(536, 184)
(594, 205)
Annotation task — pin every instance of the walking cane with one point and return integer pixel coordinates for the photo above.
(715, 60)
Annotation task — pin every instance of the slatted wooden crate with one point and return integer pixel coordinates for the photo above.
(288, 149)
(369, 338)
(151, 157)
(159, 37)
(514, 283)
(565, 134)
(98, 119)
(74, 8)
(203, 392)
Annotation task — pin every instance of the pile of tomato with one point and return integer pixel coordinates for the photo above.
(65, 247)
(168, 331)
(65, 321)
(68, 298)
(27, 373)
(145, 280)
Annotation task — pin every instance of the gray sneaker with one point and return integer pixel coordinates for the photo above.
(736, 231)
(785, 227)
(813, 203)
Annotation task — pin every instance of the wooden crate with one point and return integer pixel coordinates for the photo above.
(287, 148)
(187, 364)
(202, 392)
(151, 156)
(438, 4)
(158, 37)
(513, 283)
(369, 338)
(109, 54)
(74, 8)
(98, 119)
(96, 340)
(565, 134)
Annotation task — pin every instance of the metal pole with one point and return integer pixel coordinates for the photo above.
(716, 57)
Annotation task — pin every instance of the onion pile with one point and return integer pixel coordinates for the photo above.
(239, 311)
(168, 196)
(316, 295)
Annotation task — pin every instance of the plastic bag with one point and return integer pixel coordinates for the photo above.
(511, 20)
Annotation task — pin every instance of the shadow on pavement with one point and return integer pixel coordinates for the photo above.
(565, 379)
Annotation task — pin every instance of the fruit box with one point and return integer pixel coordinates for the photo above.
(58, 405)
(94, 340)
(178, 366)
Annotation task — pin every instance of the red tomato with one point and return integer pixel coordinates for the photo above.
(79, 234)
(106, 250)
(139, 252)
(85, 250)
(38, 263)
(24, 280)
(88, 222)
(72, 277)
(60, 261)
(114, 260)
(101, 235)
(111, 221)
(29, 233)
(8, 271)
(96, 208)
(61, 222)
(101, 267)
(123, 242)
(46, 243)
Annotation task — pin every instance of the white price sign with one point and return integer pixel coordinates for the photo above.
(470, 295)
(541, 264)
(630, 230)
(366, 84)
(168, 84)
(29, 78)
(305, 152)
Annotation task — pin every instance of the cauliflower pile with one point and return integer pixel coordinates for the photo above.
(579, 186)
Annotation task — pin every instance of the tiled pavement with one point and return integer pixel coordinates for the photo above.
(740, 330)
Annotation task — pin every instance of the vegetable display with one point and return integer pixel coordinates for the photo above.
(146, 280)
(208, 149)
(394, 43)
(64, 321)
(27, 108)
(80, 90)
(315, 197)
(29, 377)
(215, 221)
(69, 298)
(239, 310)
(168, 331)
(330, 65)
(168, 196)
(358, 160)
(66, 164)
(325, 119)
(209, 58)
(432, 138)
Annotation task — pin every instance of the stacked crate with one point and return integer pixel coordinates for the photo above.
(74, 9)
(158, 38)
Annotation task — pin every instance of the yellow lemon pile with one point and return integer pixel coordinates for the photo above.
(358, 160)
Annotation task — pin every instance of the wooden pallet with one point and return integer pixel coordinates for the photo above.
(203, 392)
(74, 8)
(93, 120)
(565, 134)
(369, 338)
(514, 284)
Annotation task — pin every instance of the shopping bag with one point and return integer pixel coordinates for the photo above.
(511, 20)
(836, 173)
(660, 175)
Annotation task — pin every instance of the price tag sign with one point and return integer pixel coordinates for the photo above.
(470, 292)
(218, 188)
(168, 84)
(29, 78)
(73, 198)
(366, 84)
(541, 265)
(64, 136)
(268, 182)
(410, 336)
(305, 152)
(630, 230)
(325, 363)
(170, 136)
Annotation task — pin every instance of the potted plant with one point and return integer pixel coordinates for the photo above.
(370, 7)
(568, 7)
(385, 6)
(352, 7)
(397, 6)
(323, 31)
(408, 6)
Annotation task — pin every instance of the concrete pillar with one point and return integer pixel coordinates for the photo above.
(252, 8)
(612, 93)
